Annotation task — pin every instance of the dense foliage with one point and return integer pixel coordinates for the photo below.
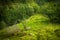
(29, 19)
(14, 11)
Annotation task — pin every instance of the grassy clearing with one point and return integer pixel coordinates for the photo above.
(40, 29)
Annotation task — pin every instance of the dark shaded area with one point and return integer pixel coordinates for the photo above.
(57, 32)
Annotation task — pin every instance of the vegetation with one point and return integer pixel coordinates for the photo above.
(29, 20)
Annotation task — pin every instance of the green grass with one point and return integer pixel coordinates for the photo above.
(40, 29)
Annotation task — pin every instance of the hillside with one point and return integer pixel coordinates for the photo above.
(39, 28)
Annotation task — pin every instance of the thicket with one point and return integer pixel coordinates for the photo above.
(14, 11)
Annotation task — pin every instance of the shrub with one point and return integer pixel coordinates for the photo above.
(2, 24)
(51, 10)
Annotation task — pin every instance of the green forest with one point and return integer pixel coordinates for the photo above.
(29, 19)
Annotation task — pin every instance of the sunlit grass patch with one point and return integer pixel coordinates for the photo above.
(40, 29)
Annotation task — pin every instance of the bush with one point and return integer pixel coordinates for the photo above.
(2, 24)
(51, 10)
(11, 14)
